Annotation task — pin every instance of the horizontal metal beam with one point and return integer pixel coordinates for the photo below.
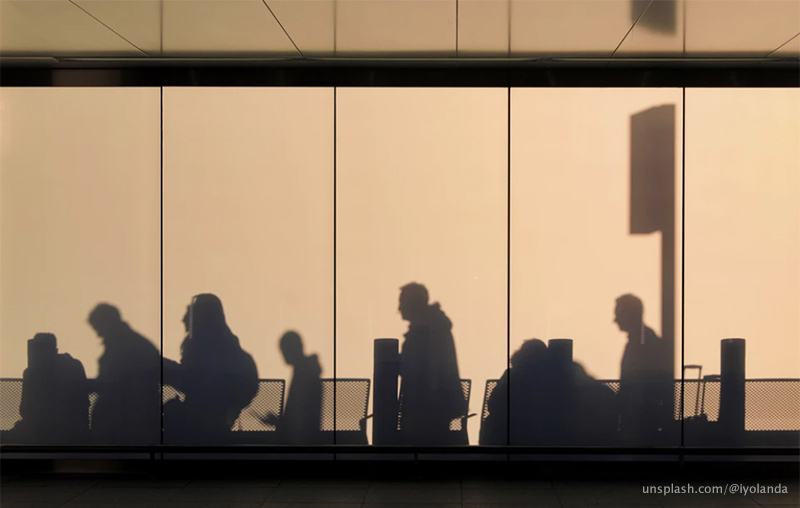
(553, 73)
(405, 449)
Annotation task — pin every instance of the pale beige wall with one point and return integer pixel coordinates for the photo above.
(572, 251)
(248, 215)
(422, 197)
(79, 216)
(743, 227)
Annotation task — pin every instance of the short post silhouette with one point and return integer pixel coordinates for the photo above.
(558, 394)
(386, 369)
(732, 389)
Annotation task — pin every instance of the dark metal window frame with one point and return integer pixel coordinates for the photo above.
(588, 73)
(725, 73)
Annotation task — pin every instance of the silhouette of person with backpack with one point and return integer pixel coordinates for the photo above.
(55, 395)
(217, 377)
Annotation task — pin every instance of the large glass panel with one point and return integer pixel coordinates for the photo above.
(421, 255)
(248, 264)
(743, 266)
(594, 257)
(79, 265)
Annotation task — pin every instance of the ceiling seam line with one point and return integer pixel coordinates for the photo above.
(109, 28)
(784, 44)
(631, 29)
(282, 28)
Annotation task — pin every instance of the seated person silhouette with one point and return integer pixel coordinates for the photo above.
(645, 397)
(217, 377)
(593, 418)
(127, 410)
(523, 373)
(55, 395)
(551, 403)
(300, 423)
(542, 401)
(430, 391)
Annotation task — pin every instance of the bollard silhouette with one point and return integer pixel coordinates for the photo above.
(386, 369)
(560, 351)
(560, 426)
(732, 382)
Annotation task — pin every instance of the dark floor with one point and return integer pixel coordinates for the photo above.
(17, 491)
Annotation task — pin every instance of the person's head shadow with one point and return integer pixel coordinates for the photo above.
(106, 320)
(414, 302)
(207, 330)
(291, 346)
(531, 352)
(629, 313)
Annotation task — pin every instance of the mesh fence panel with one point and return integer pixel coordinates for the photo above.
(699, 397)
(614, 385)
(692, 391)
(772, 404)
(352, 396)
(170, 392)
(456, 424)
(92, 401)
(268, 399)
(491, 384)
(10, 397)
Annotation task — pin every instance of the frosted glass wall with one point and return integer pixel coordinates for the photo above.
(400, 266)
(79, 226)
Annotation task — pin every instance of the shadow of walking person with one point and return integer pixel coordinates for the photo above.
(301, 419)
(430, 392)
(645, 397)
(128, 409)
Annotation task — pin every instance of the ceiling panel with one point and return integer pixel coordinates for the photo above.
(739, 27)
(138, 21)
(572, 27)
(483, 27)
(400, 28)
(791, 49)
(309, 23)
(56, 28)
(395, 27)
(658, 31)
(222, 28)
